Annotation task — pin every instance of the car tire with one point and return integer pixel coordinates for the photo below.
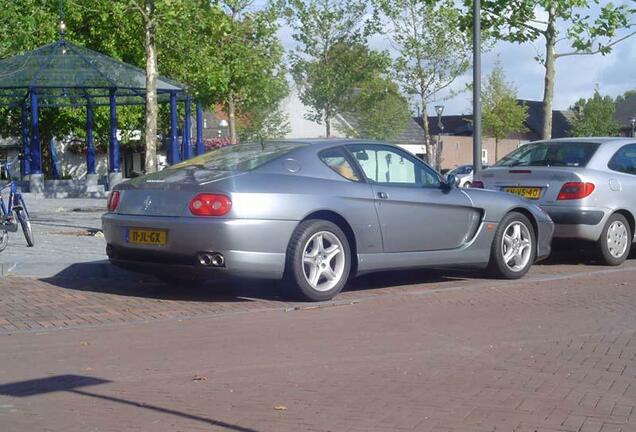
(467, 184)
(615, 243)
(318, 261)
(514, 247)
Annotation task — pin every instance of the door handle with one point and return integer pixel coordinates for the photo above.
(383, 195)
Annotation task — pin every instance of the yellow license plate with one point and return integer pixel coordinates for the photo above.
(526, 192)
(147, 236)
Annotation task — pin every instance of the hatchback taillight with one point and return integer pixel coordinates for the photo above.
(205, 204)
(477, 184)
(113, 201)
(575, 190)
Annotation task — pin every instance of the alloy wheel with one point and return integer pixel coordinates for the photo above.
(323, 261)
(516, 246)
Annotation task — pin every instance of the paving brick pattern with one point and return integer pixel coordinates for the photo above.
(555, 352)
(32, 305)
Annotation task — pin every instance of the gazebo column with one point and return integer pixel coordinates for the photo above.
(36, 181)
(25, 163)
(199, 144)
(114, 172)
(91, 176)
(186, 142)
(173, 151)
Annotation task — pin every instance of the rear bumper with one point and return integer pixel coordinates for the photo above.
(251, 248)
(578, 223)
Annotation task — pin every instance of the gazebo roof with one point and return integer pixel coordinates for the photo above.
(65, 74)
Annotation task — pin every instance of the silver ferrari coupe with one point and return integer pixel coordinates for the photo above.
(314, 213)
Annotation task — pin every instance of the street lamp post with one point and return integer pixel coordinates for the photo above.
(632, 121)
(476, 86)
(439, 109)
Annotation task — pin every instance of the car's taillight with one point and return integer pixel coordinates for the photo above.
(477, 184)
(113, 201)
(205, 204)
(575, 190)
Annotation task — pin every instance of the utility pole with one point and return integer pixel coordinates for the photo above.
(476, 86)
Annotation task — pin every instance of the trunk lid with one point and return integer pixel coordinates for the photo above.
(168, 192)
(546, 180)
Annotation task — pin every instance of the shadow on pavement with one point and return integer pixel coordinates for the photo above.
(408, 277)
(576, 252)
(102, 277)
(72, 384)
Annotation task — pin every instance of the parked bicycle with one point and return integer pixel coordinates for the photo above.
(13, 210)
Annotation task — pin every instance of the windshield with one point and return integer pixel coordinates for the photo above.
(565, 154)
(239, 157)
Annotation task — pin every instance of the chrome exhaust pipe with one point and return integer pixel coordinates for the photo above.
(211, 259)
(218, 260)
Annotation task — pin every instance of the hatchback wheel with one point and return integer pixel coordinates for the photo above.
(318, 261)
(615, 243)
(513, 248)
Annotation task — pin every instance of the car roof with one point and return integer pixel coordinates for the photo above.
(596, 140)
(321, 142)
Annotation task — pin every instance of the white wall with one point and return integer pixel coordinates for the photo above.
(74, 165)
(300, 126)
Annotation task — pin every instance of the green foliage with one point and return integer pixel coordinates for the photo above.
(502, 115)
(432, 49)
(594, 117)
(202, 44)
(521, 21)
(253, 58)
(378, 110)
(331, 56)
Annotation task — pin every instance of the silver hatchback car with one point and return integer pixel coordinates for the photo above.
(587, 186)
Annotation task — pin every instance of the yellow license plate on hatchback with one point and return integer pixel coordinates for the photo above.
(147, 236)
(526, 192)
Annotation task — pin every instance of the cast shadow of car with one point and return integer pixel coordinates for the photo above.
(102, 277)
(577, 252)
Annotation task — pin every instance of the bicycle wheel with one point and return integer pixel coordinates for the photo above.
(4, 240)
(23, 217)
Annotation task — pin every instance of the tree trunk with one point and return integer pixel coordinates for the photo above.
(150, 130)
(548, 90)
(231, 113)
(428, 145)
(496, 149)
(327, 124)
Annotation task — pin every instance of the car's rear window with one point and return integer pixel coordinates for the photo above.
(240, 157)
(563, 154)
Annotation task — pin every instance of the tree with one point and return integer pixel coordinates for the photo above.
(594, 116)
(523, 21)
(329, 34)
(502, 115)
(432, 50)
(256, 78)
(378, 110)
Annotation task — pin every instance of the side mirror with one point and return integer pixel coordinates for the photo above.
(452, 180)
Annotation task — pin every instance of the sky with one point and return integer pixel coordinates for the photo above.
(576, 76)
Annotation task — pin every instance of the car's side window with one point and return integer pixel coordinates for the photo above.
(388, 165)
(624, 160)
(336, 159)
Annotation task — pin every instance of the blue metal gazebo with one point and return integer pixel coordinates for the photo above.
(63, 74)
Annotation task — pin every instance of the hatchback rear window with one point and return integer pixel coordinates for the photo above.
(240, 157)
(563, 154)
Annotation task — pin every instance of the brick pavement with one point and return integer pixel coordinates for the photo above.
(554, 352)
(34, 305)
